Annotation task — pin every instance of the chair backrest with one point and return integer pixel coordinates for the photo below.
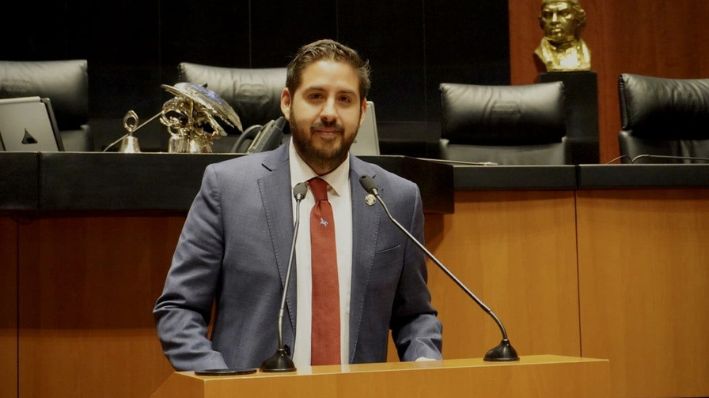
(366, 142)
(255, 94)
(665, 117)
(523, 124)
(65, 83)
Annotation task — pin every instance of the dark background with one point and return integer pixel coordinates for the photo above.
(134, 46)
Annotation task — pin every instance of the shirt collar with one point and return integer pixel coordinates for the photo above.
(338, 179)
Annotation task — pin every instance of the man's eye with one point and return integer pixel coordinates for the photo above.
(314, 96)
(346, 99)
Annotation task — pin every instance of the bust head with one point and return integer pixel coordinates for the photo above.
(562, 21)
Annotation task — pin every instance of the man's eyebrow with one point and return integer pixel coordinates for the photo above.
(322, 88)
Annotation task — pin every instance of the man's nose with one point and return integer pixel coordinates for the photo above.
(328, 111)
(554, 17)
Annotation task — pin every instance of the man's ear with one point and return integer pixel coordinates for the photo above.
(363, 111)
(286, 102)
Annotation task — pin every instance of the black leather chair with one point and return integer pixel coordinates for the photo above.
(515, 125)
(522, 124)
(663, 120)
(65, 83)
(255, 94)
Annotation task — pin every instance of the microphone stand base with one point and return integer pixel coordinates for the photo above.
(503, 352)
(279, 362)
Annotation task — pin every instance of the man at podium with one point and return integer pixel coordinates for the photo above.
(355, 276)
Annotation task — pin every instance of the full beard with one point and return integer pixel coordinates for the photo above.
(325, 158)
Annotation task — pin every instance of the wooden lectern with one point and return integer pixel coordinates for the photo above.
(531, 376)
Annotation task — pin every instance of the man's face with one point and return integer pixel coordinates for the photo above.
(324, 113)
(559, 21)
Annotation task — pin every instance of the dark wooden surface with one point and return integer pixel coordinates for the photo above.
(95, 181)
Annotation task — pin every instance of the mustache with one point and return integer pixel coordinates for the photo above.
(325, 125)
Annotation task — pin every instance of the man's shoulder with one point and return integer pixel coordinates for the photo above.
(251, 165)
(382, 176)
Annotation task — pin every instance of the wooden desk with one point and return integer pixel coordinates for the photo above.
(644, 288)
(599, 270)
(644, 275)
(88, 282)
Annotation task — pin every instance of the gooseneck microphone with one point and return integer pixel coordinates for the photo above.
(281, 361)
(502, 352)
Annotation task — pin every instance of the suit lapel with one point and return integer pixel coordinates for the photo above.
(365, 229)
(275, 192)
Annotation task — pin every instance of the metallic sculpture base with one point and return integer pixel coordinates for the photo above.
(186, 144)
(279, 362)
(129, 144)
(503, 352)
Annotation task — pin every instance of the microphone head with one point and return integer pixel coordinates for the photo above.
(368, 184)
(300, 190)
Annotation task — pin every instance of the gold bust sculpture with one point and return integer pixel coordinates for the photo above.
(562, 48)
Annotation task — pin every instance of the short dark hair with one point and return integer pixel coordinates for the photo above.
(330, 50)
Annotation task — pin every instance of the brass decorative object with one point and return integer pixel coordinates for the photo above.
(129, 142)
(192, 119)
(562, 48)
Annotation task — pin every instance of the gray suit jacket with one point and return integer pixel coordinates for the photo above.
(233, 252)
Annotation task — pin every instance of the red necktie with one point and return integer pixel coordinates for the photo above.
(325, 333)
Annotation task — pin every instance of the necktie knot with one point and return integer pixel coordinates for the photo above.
(319, 188)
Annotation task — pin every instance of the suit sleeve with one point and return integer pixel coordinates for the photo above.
(415, 327)
(182, 312)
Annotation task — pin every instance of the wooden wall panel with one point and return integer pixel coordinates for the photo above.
(517, 252)
(665, 38)
(644, 288)
(87, 284)
(8, 308)
(87, 289)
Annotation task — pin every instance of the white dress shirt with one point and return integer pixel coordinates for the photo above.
(339, 196)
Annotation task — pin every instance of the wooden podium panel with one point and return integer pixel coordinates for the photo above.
(87, 286)
(644, 288)
(517, 251)
(8, 308)
(532, 376)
